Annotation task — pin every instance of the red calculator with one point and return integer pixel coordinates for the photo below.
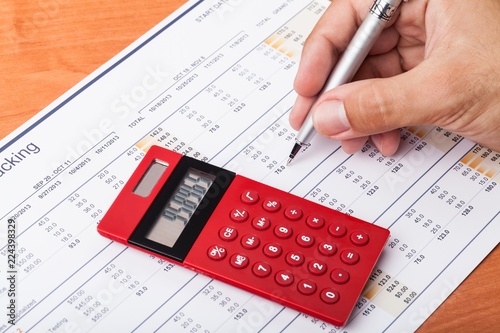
(261, 239)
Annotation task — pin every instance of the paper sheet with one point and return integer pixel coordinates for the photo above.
(214, 81)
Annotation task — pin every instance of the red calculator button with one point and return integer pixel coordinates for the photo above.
(359, 238)
(293, 213)
(327, 249)
(261, 223)
(317, 267)
(261, 269)
(228, 233)
(305, 240)
(306, 287)
(337, 230)
(329, 296)
(294, 258)
(339, 276)
(239, 261)
(271, 205)
(315, 222)
(272, 250)
(249, 197)
(349, 257)
(250, 242)
(284, 278)
(239, 215)
(283, 232)
(216, 252)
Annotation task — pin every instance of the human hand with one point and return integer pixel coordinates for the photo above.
(436, 64)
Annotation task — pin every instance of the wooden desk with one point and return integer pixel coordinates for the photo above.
(48, 46)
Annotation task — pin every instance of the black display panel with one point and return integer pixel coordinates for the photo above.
(182, 208)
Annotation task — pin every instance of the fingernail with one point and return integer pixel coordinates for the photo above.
(330, 118)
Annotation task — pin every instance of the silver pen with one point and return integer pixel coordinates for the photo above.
(380, 13)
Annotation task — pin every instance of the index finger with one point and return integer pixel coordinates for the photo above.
(327, 41)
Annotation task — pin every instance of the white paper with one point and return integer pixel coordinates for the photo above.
(214, 81)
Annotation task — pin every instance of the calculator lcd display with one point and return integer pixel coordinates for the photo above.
(180, 207)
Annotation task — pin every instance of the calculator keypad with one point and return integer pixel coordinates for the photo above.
(288, 249)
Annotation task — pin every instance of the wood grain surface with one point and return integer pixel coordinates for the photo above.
(48, 46)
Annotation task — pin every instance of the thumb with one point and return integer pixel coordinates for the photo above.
(374, 106)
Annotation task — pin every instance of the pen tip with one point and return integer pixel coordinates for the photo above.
(295, 150)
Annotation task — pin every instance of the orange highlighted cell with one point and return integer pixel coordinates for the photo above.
(372, 292)
(476, 162)
(467, 158)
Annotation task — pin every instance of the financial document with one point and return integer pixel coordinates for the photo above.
(214, 81)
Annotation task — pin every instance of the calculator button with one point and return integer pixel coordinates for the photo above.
(339, 276)
(239, 215)
(261, 269)
(250, 242)
(284, 278)
(261, 223)
(329, 296)
(216, 252)
(315, 222)
(272, 250)
(283, 232)
(317, 267)
(271, 205)
(349, 257)
(239, 261)
(359, 238)
(337, 230)
(293, 213)
(305, 240)
(306, 287)
(228, 234)
(294, 258)
(327, 249)
(249, 197)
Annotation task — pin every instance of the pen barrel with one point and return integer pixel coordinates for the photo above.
(356, 52)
